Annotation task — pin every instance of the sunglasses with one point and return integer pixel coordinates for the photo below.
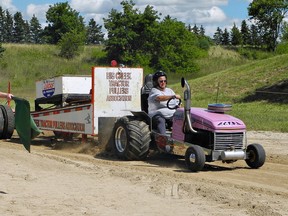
(162, 81)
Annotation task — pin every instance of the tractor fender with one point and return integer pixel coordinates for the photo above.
(143, 116)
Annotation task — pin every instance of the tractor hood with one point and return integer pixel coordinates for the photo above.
(208, 120)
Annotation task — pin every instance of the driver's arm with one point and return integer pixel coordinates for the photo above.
(167, 97)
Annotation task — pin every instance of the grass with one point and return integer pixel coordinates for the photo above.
(25, 64)
(235, 84)
(218, 59)
(263, 116)
(225, 77)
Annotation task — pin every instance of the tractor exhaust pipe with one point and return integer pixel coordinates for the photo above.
(187, 125)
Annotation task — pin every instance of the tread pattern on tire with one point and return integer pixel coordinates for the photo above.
(138, 138)
(2, 123)
(259, 154)
(199, 158)
(9, 122)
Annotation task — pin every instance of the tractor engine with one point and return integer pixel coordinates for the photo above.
(215, 132)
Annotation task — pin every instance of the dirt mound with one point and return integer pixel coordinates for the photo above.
(277, 93)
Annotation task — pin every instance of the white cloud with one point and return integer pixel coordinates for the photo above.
(202, 17)
(38, 10)
(188, 11)
(189, 4)
(96, 9)
(7, 5)
(200, 12)
(94, 6)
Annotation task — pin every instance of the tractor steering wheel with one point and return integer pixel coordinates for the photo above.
(176, 103)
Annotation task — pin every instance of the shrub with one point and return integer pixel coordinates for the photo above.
(282, 48)
(2, 49)
(71, 44)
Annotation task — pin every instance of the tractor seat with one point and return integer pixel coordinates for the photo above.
(145, 90)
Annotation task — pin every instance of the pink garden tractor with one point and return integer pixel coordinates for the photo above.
(198, 134)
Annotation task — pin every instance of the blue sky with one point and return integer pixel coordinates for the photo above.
(209, 13)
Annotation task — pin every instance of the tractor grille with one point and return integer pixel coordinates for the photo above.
(226, 141)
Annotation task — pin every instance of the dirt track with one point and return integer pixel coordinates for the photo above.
(80, 181)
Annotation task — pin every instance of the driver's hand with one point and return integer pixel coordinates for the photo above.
(179, 97)
(9, 96)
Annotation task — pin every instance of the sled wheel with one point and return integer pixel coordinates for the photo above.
(255, 156)
(195, 158)
(131, 139)
(9, 122)
(2, 122)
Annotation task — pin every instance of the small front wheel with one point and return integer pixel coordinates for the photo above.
(195, 158)
(255, 156)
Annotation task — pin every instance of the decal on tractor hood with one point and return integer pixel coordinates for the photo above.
(230, 123)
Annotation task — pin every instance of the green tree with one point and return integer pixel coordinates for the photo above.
(202, 31)
(61, 19)
(225, 37)
(175, 48)
(18, 28)
(284, 32)
(2, 49)
(146, 33)
(139, 38)
(35, 31)
(2, 24)
(245, 33)
(236, 38)
(255, 36)
(268, 15)
(116, 43)
(282, 47)
(27, 33)
(94, 34)
(189, 28)
(218, 36)
(196, 30)
(8, 28)
(71, 43)
(130, 33)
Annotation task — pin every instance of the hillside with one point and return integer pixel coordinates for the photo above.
(241, 81)
(24, 64)
(257, 89)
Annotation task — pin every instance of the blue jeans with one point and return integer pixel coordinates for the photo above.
(159, 123)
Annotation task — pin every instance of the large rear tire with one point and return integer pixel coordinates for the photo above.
(2, 123)
(195, 158)
(131, 139)
(9, 122)
(256, 156)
